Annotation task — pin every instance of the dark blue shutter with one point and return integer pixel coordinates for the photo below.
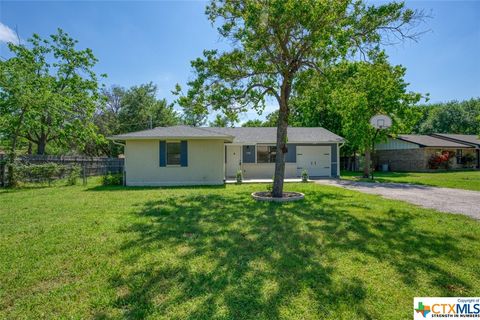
(334, 161)
(163, 149)
(249, 154)
(291, 155)
(184, 153)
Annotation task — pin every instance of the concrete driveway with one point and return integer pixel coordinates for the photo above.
(442, 199)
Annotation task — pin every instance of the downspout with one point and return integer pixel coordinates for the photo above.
(339, 158)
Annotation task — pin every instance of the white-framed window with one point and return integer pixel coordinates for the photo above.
(173, 153)
(266, 154)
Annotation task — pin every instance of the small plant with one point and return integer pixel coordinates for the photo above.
(239, 176)
(73, 175)
(112, 179)
(304, 175)
(270, 187)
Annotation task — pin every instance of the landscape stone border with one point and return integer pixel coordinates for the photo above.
(287, 196)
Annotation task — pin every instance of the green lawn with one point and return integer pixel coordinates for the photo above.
(469, 180)
(213, 253)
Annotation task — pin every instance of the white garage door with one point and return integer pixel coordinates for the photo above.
(315, 159)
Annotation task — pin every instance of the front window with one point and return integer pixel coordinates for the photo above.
(173, 153)
(266, 154)
(459, 155)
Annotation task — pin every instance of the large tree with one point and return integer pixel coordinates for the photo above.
(132, 109)
(273, 41)
(49, 91)
(141, 109)
(365, 89)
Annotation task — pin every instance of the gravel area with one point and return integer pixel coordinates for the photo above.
(442, 199)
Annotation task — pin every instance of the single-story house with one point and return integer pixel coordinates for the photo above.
(185, 155)
(412, 152)
(468, 139)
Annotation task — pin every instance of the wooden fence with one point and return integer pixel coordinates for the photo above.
(90, 166)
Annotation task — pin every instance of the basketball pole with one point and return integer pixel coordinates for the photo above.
(372, 167)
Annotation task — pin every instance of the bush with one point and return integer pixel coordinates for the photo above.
(45, 172)
(468, 160)
(441, 160)
(270, 185)
(112, 179)
(239, 176)
(304, 175)
(73, 175)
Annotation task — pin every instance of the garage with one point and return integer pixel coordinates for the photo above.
(315, 159)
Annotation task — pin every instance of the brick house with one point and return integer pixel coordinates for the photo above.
(469, 139)
(411, 152)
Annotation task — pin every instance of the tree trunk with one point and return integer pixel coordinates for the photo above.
(367, 164)
(282, 126)
(12, 154)
(41, 144)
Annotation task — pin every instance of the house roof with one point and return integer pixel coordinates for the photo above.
(269, 134)
(174, 132)
(462, 138)
(429, 141)
(235, 135)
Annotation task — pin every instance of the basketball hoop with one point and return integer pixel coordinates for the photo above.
(381, 121)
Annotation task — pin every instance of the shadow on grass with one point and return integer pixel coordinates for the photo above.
(212, 255)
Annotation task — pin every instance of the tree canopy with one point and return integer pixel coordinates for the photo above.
(49, 92)
(273, 42)
(450, 117)
(133, 109)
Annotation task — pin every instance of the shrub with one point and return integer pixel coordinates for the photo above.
(304, 175)
(239, 176)
(45, 172)
(73, 175)
(468, 160)
(112, 179)
(270, 185)
(440, 160)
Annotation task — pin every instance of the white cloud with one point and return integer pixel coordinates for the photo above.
(7, 34)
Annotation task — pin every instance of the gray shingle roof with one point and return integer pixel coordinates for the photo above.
(269, 134)
(235, 135)
(429, 141)
(175, 132)
(462, 138)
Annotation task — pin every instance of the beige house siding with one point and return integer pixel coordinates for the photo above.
(205, 164)
(266, 170)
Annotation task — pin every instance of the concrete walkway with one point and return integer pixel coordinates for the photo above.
(442, 199)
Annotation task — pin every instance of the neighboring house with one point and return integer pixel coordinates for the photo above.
(411, 152)
(184, 155)
(469, 139)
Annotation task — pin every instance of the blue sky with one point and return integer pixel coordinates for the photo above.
(138, 42)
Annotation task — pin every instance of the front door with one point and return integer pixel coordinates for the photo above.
(315, 159)
(233, 161)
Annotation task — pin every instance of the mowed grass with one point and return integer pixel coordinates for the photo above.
(214, 253)
(468, 180)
